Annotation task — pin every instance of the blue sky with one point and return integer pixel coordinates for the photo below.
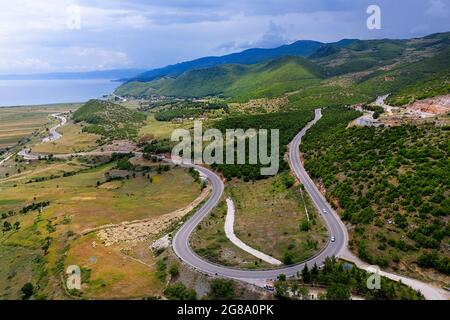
(34, 35)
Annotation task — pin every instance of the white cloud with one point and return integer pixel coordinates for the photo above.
(142, 33)
(437, 8)
(61, 59)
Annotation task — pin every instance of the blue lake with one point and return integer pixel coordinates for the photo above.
(34, 92)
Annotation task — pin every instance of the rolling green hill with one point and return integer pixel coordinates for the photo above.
(407, 81)
(267, 79)
(413, 81)
(409, 69)
(369, 55)
(109, 120)
(302, 48)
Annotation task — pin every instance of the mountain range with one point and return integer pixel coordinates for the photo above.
(368, 66)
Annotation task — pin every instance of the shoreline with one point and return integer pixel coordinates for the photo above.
(46, 105)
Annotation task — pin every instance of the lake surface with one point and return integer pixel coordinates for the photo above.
(34, 92)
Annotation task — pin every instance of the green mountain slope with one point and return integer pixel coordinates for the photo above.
(408, 69)
(109, 120)
(202, 82)
(368, 55)
(275, 78)
(239, 81)
(407, 81)
(391, 184)
(413, 81)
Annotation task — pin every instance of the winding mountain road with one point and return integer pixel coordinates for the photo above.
(335, 227)
(53, 134)
(337, 241)
(336, 230)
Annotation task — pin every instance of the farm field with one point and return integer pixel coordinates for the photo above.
(20, 122)
(119, 271)
(91, 206)
(73, 140)
(66, 206)
(162, 129)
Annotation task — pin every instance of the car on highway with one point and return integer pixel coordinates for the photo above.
(269, 286)
(325, 211)
(333, 239)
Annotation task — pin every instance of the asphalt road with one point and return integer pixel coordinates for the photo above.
(53, 134)
(335, 227)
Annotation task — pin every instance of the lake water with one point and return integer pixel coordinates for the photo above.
(34, 92)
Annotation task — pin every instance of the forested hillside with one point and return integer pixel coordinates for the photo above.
(240, 81)
(409, 69)
(391, 184)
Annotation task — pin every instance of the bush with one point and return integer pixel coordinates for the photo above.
(338, 291)
(178, 291)
(173, 270)
(288, 258)
(27, 291)
(222, 289)
(304, 225)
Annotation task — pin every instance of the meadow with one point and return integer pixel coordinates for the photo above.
(73, 140)
(270, 217)
(17, 123)
(49, 211)
(162, 129)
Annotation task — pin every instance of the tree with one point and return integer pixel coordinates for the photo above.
(303, 293)
(178, 291)
(6, 226)
(314, 273)
(281, 277)
(27, 291)
(222, 289)
(337, 291)
(299, 291)
(306, 276)
(281, 290)
(288, 258)
(173, 270)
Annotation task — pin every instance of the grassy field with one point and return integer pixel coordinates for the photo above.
(45, 237)
(91, 206)
(268, 218)
(19, 122)
(113, 272)
(16, 265)
(73, 140)
(210, 242)
(162, 129)
(17, 171)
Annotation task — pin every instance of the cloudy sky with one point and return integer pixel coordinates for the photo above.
(44, 35)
